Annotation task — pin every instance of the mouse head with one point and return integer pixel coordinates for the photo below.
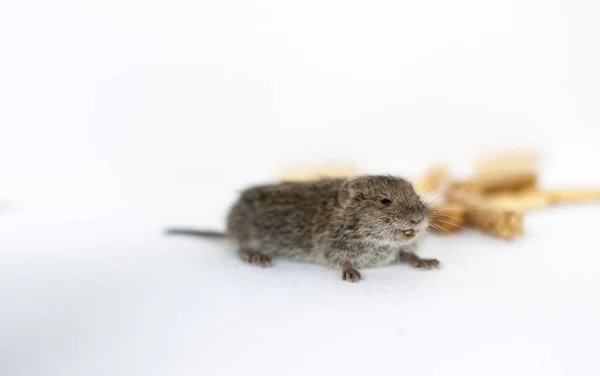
(384, 208)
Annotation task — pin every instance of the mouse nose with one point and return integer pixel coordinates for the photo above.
(415, 220)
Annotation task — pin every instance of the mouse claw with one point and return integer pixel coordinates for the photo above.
(351, 275)
(256, 259)
(260, 260)
(428, 264)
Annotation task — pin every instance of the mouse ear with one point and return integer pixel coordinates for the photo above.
(344, 195)
(348, 190)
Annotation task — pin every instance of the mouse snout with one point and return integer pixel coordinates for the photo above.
(415, 219)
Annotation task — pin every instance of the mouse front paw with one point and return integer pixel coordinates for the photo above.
(256, 258)
(427, 264)
(351, 275)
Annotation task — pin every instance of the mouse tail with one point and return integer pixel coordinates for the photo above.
(200, 233)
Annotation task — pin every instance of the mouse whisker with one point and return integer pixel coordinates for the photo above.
(446, 216)
(450, 223)
(449, 218)
(432, 201)
(458, 207)
(440, 229)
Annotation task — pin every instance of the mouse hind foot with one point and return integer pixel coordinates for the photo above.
(349, 273)
(255, 258)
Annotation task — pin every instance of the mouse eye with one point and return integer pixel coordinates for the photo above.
(386, 201)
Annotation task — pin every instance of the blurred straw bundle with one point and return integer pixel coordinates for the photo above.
(494, 200)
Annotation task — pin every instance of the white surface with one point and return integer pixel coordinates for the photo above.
(110, 296)
(119, 117)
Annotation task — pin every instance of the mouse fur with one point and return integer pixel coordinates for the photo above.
(360, 222)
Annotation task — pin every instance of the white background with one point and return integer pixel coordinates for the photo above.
(118, 118)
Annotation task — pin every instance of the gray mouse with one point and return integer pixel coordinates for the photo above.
(360, 222)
